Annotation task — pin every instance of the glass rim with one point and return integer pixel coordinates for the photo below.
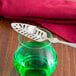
(50, 36)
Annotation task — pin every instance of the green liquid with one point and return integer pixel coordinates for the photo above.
(30, 61)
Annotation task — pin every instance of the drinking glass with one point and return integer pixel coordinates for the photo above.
(34, 58)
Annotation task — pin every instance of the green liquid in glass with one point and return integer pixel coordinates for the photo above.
(28, 62)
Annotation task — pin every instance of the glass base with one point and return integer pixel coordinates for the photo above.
(35, 73)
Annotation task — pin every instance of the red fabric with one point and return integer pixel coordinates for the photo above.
(59, 16)
(67, 32)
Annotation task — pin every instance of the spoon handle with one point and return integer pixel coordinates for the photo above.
(55, 40)
(67, 43)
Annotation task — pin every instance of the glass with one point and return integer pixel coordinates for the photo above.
(35, 58)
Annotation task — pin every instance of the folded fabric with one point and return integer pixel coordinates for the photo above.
(59, 16)
(68, 32)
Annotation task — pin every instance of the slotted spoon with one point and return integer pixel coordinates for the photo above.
(36, 34)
